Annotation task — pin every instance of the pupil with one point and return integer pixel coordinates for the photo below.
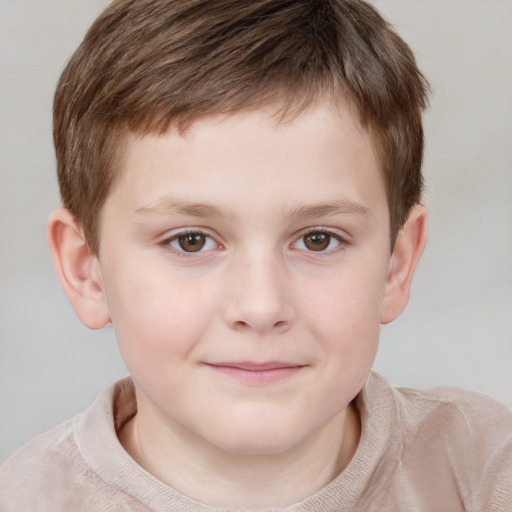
(192, 242)
(317, 241)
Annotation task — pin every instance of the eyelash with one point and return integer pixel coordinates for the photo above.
(167, 242)
(341, 241)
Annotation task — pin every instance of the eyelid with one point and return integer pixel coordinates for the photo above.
(343, 239)
(176, 233)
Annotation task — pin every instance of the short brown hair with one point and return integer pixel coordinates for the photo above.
(145, 65)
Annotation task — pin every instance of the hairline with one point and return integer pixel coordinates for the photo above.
(282, 111)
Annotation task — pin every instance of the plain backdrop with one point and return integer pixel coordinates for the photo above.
(457, 328)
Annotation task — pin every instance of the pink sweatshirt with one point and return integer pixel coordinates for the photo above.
(439, 450)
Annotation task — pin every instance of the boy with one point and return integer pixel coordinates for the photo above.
(242, 186)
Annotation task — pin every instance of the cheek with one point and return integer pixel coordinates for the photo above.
(348, 302)
(345, 316)
(158, 321)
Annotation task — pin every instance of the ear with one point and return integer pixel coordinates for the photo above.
(78, 269)
(406, 254)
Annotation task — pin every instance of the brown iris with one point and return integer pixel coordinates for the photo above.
(192, 242)
(317, 241)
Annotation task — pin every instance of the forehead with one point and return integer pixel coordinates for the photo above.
(322, 153)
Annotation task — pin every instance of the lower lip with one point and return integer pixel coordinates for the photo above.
(257, 376)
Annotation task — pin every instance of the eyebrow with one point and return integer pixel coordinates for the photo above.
(167, 206)
(340, 207)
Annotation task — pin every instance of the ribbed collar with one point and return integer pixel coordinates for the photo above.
(369, 469)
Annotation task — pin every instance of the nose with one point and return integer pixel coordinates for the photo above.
(260, 298)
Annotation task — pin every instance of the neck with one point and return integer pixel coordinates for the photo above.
(224, 479)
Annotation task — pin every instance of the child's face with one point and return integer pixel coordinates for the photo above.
(245, 267)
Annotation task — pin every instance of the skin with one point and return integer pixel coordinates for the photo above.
(295, 274)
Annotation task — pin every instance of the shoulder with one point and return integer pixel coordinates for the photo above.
(52, 473)
(50, 461)
(443, 415)
(458, 413)
(456, 436)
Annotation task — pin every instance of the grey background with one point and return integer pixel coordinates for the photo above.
(457, 329)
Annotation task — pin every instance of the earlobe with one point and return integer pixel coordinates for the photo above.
(78, 269)
(406, 254)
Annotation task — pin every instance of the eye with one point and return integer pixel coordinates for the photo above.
(192, 241)
(319, 241)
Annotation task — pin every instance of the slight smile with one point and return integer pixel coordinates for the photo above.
(256, 373)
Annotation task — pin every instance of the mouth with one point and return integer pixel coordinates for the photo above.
(257, 373)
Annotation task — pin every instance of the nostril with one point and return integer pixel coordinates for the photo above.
(281, 326)
(240, 325)
(269, 316)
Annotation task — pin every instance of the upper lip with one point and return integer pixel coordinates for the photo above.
(255, 367)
